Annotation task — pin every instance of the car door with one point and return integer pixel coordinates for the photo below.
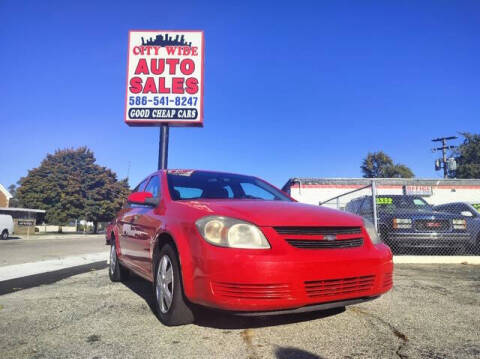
(146, 222)
(126, 230)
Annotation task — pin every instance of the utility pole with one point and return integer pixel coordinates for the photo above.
(444, 149)
(163, 147)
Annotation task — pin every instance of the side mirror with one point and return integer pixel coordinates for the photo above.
(145, 198)
(466, 214)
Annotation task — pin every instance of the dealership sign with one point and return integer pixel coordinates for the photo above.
(418, 190)
(165, 78)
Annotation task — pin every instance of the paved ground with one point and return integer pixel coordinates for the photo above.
(433, 312)
(45, 247)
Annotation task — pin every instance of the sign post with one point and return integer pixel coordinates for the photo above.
(165, 81)
(163, 147)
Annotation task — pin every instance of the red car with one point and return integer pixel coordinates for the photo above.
(237, 243)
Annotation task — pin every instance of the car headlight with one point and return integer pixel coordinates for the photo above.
(459, 224)
(231, 232)
(402, 223)
(372, 232)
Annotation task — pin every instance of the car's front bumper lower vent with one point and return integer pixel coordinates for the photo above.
(252, 291)
(342, 286)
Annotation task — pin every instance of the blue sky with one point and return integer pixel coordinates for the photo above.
(292, 89)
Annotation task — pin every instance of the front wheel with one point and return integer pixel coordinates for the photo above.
(116, 271)
(4, 235)
(171, 305)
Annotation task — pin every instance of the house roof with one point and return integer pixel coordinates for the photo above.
(12, 209)
(5, 192)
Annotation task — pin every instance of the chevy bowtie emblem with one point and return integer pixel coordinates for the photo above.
(330, 237)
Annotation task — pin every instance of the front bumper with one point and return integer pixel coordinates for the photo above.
(310, 308)
(428, 240)
(287, 278)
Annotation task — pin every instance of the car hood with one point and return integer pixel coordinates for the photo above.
(279, 213)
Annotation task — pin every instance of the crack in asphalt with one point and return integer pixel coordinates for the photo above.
(247, 336)
(391, 327)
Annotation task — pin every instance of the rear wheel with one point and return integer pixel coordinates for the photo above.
(4, 234)
(116, 271)
(172, 306)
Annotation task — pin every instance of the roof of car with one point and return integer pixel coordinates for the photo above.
(185, 170)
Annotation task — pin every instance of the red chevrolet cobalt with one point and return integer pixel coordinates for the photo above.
(237, 243)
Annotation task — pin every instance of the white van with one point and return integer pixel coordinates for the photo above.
(6, 226)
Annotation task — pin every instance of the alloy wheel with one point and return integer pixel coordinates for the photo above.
(113, 259)
(164, 285)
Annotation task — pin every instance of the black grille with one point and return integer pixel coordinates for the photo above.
(432, 225)
(325, 244)
(317, 230)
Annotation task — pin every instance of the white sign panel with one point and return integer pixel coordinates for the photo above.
(418, 190)
(165, 78)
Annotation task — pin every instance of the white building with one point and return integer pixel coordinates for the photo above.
(434, 191)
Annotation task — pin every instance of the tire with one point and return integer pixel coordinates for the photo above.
(4, 235)
(116, 271)
(476, 246)
(172, 306)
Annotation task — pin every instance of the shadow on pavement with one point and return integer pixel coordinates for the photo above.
(217, 319)
(294, 353)
(14, 285)
(11, 238)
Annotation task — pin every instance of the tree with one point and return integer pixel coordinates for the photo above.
(468, 157)
(380, 165)
(69, 185)
(399, 171)
(13, 202)
(105, 196)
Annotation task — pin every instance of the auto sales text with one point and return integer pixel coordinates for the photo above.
(176, 71)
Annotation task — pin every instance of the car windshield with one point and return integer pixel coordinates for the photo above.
(190, 185)
(393, 203)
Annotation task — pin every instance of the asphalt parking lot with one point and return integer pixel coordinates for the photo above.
(432, 312)
(17, 250)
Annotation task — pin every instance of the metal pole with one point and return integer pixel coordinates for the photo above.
(163, 147)
(444, 158)
(374, 205)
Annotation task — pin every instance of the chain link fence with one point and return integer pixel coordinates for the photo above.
(410, 225)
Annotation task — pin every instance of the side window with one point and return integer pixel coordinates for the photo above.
(154, 186)
(140, 186)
